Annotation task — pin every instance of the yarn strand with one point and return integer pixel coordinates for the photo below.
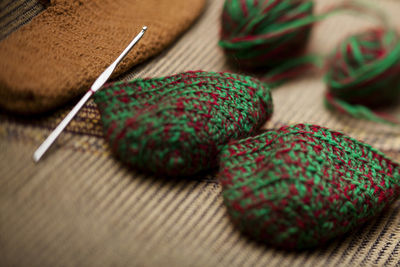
(292, 69)
(358, 111)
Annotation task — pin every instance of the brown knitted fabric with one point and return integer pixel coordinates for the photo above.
(60, 52)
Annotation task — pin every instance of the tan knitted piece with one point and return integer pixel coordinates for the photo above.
(60, 52)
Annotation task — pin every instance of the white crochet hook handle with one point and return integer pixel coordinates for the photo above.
(96, 86)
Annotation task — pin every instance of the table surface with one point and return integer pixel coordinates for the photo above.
(82, 207)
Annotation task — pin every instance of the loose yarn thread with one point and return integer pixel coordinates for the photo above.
(177, 125)
(363, 73)
(301, 185)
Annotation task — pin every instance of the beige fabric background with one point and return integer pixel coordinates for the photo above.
(81, 207)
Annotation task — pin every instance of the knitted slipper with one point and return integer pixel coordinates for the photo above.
(177, 125)
(60, 52)
(299, 186)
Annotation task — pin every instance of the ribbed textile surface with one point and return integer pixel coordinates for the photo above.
(81, 207)
(67, 46)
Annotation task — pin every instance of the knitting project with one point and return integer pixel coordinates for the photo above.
(301, 185)
(177, 125)
(59, 54)
(364, 72)
(265, 33)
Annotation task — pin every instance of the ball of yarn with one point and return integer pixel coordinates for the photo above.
(177, 125)
(301, 185)
(364, 72)
(264, 33)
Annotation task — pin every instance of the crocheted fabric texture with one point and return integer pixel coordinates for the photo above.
(177, 125)
(59, 54)
(364, 71)
(299, 186)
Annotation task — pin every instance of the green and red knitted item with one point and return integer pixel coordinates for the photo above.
(301, 185)
(177, 125)
(364, 73)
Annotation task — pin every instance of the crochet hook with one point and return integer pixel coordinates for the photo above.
(96, 86)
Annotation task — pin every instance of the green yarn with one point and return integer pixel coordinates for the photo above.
(364, 73)
(176, 125)
(265, 33)
(272, 35)
(299, 186)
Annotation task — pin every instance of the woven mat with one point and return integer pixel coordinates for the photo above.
(81, 207)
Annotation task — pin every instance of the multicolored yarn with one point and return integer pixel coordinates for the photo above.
(177, 125)
(272, 34)
(265, 33)
(301, 185)
(364, 72)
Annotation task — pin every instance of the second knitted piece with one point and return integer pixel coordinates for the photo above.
(299, 186)
(177, 125)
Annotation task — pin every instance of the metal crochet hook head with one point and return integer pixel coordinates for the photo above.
(96, 86)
